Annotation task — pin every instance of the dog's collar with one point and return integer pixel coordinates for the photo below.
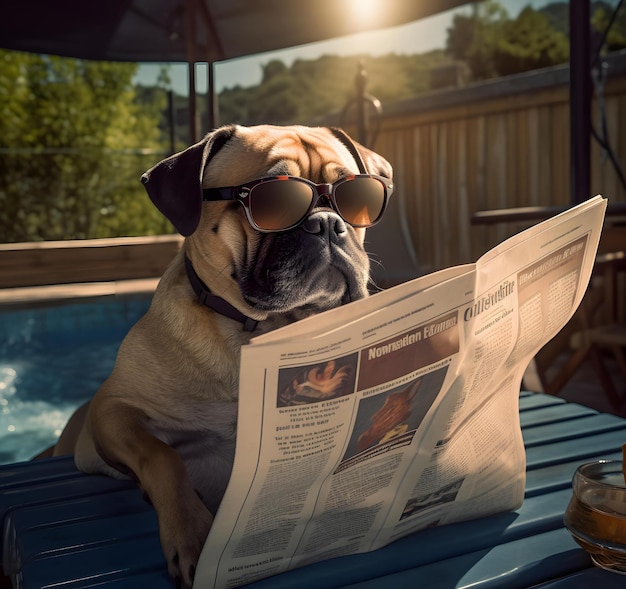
(214, 302)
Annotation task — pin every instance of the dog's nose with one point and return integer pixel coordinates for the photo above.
(324, 223)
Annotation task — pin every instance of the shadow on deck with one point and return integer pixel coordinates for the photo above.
(585, 388)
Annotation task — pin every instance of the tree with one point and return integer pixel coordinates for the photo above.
(473, 38)
(492, 44)
(273, 69)
(69, 134)
(527, 43)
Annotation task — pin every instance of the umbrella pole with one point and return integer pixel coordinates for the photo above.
(191, 69)
(191, 75)
(212, 111)
(215, 52)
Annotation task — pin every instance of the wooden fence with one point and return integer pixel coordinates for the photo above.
(88, 260)
(498, 144)
(494, 145)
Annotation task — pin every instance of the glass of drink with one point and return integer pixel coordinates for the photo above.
(596, 514)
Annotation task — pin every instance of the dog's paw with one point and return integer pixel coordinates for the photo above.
(183, 539)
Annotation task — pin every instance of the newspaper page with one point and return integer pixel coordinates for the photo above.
(395, 413)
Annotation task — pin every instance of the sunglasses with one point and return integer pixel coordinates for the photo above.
(280, 203)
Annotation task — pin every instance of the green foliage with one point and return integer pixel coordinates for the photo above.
(493, 44)
(557, 14)
(529, 43)
(68, 132)
(473, 38)
(600, 20)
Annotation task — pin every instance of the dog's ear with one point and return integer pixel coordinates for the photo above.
(175, 184)
(375, 163)
(369, 162)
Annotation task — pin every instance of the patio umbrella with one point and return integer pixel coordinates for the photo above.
(191, 30)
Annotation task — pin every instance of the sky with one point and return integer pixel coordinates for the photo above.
(413, 38)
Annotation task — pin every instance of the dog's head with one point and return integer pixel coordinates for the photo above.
(316, 265)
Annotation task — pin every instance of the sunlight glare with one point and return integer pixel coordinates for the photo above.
(365, 12)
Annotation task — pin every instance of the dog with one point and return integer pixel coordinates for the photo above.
(167, 414)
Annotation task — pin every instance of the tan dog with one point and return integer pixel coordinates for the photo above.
(167, 414)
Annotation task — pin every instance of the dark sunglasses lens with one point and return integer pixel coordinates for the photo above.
(279, 204)
(360, 201)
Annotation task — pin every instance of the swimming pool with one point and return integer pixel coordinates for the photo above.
(53, 357)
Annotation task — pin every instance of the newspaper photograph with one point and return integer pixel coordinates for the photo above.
(397, 412)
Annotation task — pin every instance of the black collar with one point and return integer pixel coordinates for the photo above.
(214, 302)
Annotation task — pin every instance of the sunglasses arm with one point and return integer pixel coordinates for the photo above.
(213, 194)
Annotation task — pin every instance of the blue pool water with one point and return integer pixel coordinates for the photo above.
(52, 359)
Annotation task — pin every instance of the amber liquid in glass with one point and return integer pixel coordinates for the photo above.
(600, 531)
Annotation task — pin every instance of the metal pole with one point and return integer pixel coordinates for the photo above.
(580, 100)
(191, 69)
(191, 101)
(171, 114)
(215, 53)
(212, 98)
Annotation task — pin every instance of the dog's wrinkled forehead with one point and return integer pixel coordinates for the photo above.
(255, 152)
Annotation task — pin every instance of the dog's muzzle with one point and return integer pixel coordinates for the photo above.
(318, 265)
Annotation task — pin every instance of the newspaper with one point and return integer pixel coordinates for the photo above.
(397, 412)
